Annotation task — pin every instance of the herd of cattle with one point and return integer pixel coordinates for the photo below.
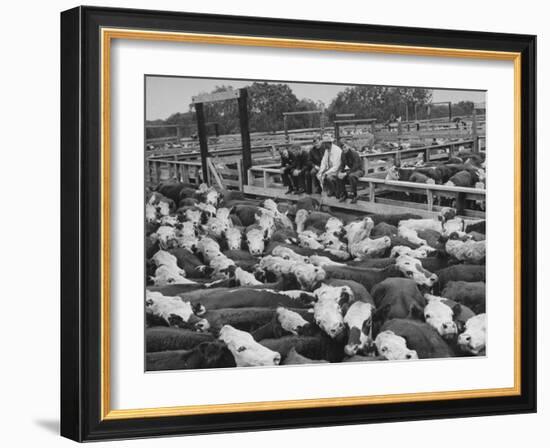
(464, 169)
(233, 281)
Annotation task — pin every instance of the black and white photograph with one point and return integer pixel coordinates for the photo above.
(298, 223)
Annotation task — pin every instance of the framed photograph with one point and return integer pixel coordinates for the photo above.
(277, 224)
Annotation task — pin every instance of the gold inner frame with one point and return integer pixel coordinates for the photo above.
(107, 35)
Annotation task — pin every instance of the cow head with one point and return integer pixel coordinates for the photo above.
(308, 275)
(163, 208)
(332, 242)
(246, 351)
(288, 254)
(150, 213)
(207, 211)
(208, 248)
(174, 311)
(357, 231)
(454, 225)
(392, 173)
(439, 315)
(308, 240)
(334, 226)
(193, 215)
(473, 340)
(212, 197)
(328, 317)
(223, 214)
(291, 321)
(169, 220)
(188, 242)
(342, 295)
(412, 268)
(169, 275)
(164, 258)
(393, 347)
(234, 238)
(270, 204)
(217, 226)
(221, 265)
(166, 236)
(186, 229)
(358, 319)
(420, 252)
(256, 239)
(266, 222)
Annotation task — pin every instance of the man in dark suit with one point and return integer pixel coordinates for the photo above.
(288, 163)
(300, 169)
(351, 169)
(316, 153)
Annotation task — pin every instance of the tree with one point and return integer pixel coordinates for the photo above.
(266, 104)
(378, 102)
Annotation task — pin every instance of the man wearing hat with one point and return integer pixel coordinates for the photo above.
(351, 169)
(330, 165)
(316, 153)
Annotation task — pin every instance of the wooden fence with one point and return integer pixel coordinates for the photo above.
(266, 182)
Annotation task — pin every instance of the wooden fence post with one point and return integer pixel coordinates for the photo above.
(371, 192)
(460, 203)
(245, 133)
(203, 139)
(430, 199)
(240, 174)
(474, 130)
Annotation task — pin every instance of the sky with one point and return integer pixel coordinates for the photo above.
(168, 95)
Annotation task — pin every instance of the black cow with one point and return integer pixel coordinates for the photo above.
(397, 298)
(207, 355)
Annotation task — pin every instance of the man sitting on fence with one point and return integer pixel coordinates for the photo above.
(301, 168)
(316, 153)
(329, 166)
(351, 169)
(288, 162)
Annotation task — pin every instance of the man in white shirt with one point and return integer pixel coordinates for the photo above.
(330, 165)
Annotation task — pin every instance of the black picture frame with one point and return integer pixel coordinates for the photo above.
(81, 223)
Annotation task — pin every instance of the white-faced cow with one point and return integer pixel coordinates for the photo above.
(473, 339)
(358, 320)
(246, 351)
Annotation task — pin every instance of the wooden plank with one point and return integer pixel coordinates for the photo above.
(214, 173)
(231, 183)
(416, 186)
(305, 112)
(397, 205)
(360, 206)
(229, 94)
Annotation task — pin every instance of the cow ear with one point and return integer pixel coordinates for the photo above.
(367, 325)
(457, 310)
(381, 314)
(415, 312)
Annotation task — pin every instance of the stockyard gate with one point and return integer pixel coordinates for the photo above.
(326, 279)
